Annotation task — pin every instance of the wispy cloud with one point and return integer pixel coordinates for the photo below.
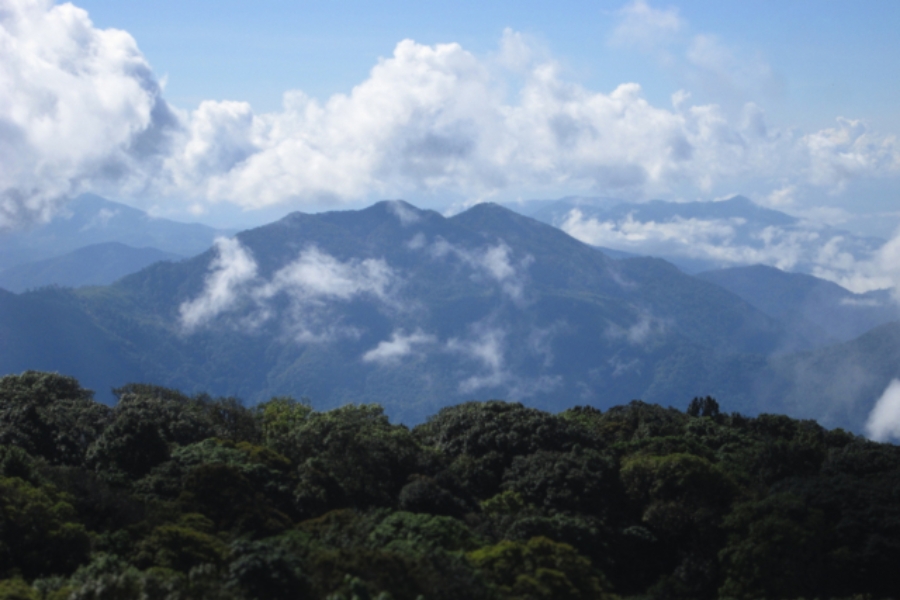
(645, 27)
(309, 288)
(400, 346)
(493, 261)
(486, 347)
(645, 329)
(230, 274)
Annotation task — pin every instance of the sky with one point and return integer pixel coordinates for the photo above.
(235, 113)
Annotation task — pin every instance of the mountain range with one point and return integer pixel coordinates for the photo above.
(89, 220)
(415, 311)
(701, 236)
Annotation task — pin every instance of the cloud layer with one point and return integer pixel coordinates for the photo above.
(80, 109)
(855, 263)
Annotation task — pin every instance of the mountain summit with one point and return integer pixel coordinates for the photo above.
(402, 306)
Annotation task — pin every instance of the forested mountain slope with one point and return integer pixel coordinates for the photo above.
(414, 310)
(97, 264)
(796, 298)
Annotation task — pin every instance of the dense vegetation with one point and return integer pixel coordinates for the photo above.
(170, 496)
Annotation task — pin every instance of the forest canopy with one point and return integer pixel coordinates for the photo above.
(168, 495)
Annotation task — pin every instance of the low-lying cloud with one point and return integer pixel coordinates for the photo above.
(308, 288)
(855, 263)
(884, 420)
(81, 109)
(494, 262)
(227, 281)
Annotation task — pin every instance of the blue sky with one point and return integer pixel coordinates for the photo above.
(183, 110)
(829, 58)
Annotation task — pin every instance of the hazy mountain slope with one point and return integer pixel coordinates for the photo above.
(90, 219)
(796, 297)
(838, 385)
(98, 264)
(47, 330)
(413, 310)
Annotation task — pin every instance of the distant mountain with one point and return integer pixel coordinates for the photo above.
(90, 219)
(98, 264)
(51, 331)
(838, 385)
(701, 236)
(413, 310)
(798, 298)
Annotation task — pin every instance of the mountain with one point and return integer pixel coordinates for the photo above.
(413, 310)
(838, 313)
(702, 236)
(838, 385)
(51, 332)
(98, 264)
(90, 219)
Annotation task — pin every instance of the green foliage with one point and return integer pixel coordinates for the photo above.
(403, 531)
(774, 550)
(17, 589)
(539, 568)
(39, 534)
(50, 416)
(187, 497)
(510, 429)
(581, 480)
(180, 548)
(350, 456)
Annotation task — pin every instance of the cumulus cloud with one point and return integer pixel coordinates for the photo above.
(849, 151)
(301, 295)
(884, 420)
(80, 108)
(400, 345)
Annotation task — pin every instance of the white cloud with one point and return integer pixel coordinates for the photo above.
(230, 273)
(646, 328)
(406, 213)
(486, 347)
(80, 109)
(493, 261)
(884, 420)
(316, 276)
(733, 242)
(849, 151)
(301, 295)
(398, 347)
